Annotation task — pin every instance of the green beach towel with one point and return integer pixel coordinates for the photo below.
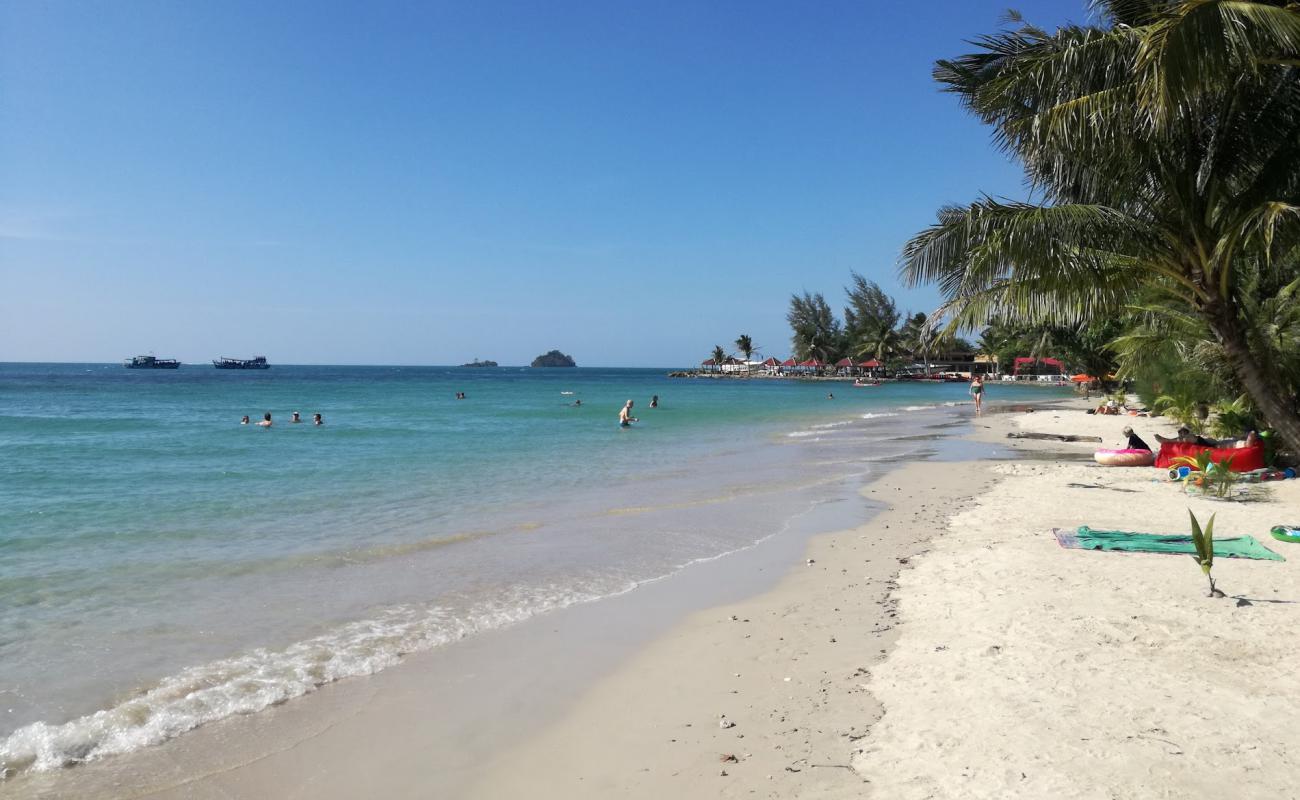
(1086, 538)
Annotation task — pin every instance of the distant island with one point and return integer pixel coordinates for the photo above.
(554, 359)
(477, 363)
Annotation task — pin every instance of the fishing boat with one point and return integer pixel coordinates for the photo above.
(151, 362)
(257, 362)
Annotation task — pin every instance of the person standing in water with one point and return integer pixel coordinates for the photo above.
(625, 418)
(244, 421)
(316, 419)
(977, 392)
(654, 401)
(266, 420)
(296, 417)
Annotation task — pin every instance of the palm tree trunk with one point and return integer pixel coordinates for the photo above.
(1265, 392)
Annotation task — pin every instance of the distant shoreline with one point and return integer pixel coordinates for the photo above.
(690, 374)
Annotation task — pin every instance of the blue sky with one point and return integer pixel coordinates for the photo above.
(424, 183)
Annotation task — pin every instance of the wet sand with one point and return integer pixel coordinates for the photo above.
(765, 697)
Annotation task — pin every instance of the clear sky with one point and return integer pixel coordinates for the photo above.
(428, 182)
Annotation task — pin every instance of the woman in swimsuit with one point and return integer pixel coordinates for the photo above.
(977, 392)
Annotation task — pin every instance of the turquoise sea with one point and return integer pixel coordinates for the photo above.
(162, 566)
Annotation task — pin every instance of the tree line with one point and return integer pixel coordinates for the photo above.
(872, 328)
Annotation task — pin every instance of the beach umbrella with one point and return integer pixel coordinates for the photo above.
(1082, 378)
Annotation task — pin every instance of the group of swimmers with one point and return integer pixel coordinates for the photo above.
(316, 419)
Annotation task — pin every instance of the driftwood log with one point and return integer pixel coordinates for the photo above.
(1057, 437)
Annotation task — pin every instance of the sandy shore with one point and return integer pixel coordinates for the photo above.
(1026, 670)
(765, 697)
(1004, 666)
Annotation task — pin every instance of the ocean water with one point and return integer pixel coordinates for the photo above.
(162, 566)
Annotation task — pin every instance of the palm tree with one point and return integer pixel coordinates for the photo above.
(878, 340)
(746, 347)
(1163, 151)
(917, 338)
(719, 355)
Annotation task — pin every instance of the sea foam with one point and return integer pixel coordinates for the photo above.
(262, 678)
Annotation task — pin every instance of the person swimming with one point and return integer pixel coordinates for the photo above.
(830, 396)
(266, 420)
(316, 419)
(654, 401)
(625, 418)
(295, 417)
(576, 403)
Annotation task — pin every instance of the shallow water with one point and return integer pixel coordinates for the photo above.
(162, 566)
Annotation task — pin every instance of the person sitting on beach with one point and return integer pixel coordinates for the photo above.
(1134, 441)
(1108, 407)
(266, 420)
(295, 417)
(244, 421)
(625, 418)
(316, 419)
(654, 401)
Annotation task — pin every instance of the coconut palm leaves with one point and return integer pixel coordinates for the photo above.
(1157, 178)
(718, 355)
(745, 346)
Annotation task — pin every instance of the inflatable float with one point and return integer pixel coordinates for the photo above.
(1244, 459)
(1124, 458)
(1287, 533)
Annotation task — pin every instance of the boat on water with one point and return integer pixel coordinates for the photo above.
(151, 362)
(257, 362)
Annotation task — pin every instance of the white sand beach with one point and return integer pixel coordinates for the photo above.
(1026, 670)
(1015, 668)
